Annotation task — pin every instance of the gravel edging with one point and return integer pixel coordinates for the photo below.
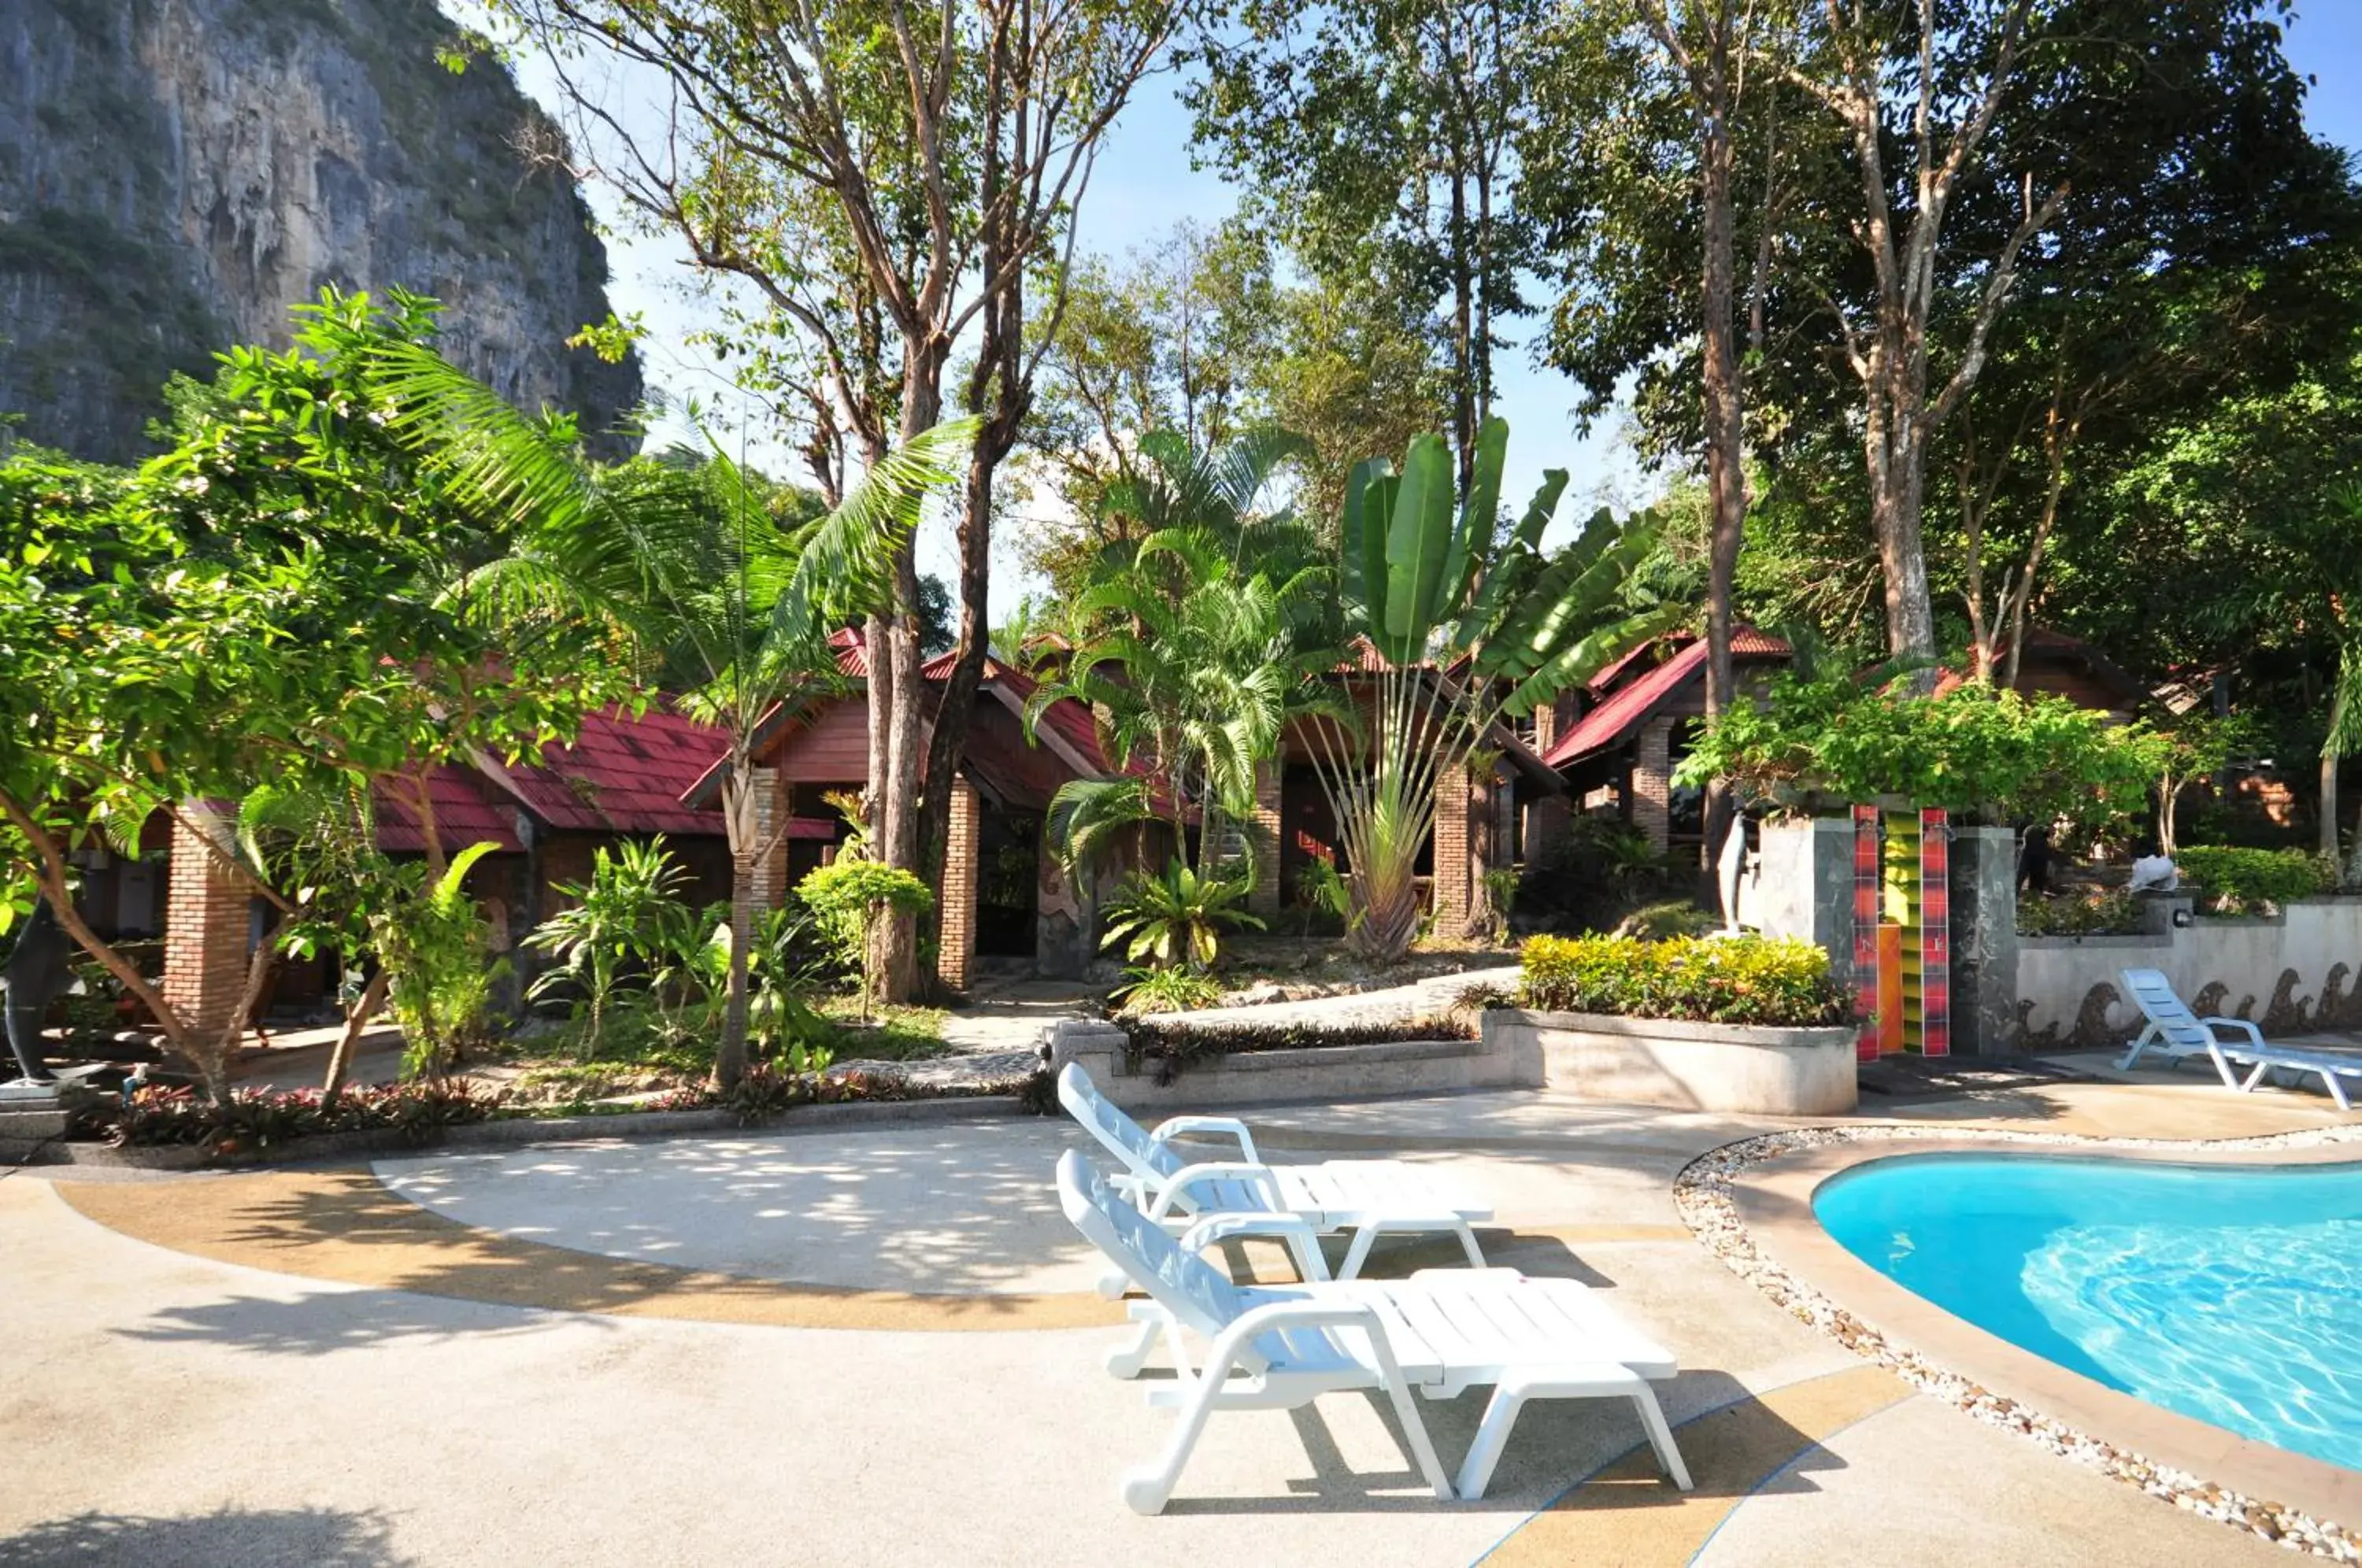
(1702, 1193)
(512, 1130)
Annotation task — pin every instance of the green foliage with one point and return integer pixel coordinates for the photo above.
(1177, 918)
(1676, 917)
(617, 918)
(1171, 989)
(437, 949)
(1427, 576)
(1320, 888)
(2241, 881)
(2099, 914)
(1743, 979)
(852, 899)
(1973, 750)
(247, 1122)
(1171, 1047)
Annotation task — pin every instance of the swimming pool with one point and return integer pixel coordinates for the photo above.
(2233, 1295)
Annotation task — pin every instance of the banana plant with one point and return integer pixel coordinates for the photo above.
(1469, 627)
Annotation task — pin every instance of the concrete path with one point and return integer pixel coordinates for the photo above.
(831, 1348)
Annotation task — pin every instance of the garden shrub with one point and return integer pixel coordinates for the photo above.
(250, 1121)
(1676, 917)
(1744, 979)
(1169, 1048)
(2067, 915)
(2237, 881)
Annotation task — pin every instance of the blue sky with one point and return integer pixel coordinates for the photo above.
(1144, 183)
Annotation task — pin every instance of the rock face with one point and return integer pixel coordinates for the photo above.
(175, 174)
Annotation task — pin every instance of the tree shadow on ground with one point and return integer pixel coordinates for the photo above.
(326, 1323)
(283, 1538)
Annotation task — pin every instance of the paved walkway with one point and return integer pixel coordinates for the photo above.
(856, 1348)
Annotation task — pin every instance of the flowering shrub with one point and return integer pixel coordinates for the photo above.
(2236, 881)
(1740, 980)
(250, 1121)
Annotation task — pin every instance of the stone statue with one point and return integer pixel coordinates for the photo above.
(37, 971)
(1728, 868)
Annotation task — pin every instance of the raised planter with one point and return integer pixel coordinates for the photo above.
(1261, 1077)
(1727, 1068)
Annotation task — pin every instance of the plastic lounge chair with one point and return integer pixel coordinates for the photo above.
(2178, 1032)
(1369, 1197)
(1440, 1332)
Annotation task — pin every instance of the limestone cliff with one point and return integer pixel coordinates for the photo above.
(174, 175)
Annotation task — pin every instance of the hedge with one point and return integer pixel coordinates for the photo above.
(1783, 984)
(2237, 880)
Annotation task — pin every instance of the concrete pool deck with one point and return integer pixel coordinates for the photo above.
(882, 1347)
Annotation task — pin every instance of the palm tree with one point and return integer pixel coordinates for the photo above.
(1467, 629)
(700, 583)
(1192, 664)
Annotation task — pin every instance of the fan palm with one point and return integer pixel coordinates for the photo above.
(713, 597)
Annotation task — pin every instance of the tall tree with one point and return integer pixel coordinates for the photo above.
(1384, 134)
(872, 173)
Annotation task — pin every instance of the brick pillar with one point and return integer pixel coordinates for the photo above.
(206, 922)
(1452, 884)
(770, 811)
(1652, 767)
(1264, 897)
(956, 957)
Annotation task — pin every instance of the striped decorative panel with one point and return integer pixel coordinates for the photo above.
(1865, 927)
(1935, 932)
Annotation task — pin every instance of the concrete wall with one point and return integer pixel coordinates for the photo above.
(1687, 1067)
(2290, 973)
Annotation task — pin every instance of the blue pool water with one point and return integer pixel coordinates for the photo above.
(2232, 1296)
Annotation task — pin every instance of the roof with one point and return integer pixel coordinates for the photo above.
(466, 812)
(1634, 699)
(624, 773)
(2058, 649)
(1628, 708)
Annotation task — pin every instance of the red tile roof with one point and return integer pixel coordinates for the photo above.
(467, 811)
(1628, 707)
(624, 774)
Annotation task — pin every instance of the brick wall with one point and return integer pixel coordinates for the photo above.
(955, 959)
(1453, 886)
(1652, 767)
(1263, 898)
(207, 924)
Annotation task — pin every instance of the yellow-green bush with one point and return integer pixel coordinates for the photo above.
(1740, 979)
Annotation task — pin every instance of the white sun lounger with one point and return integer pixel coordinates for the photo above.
(1369, 1197)
(1440, 1332)
(2177, 1033)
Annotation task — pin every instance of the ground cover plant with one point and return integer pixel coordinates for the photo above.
(1782, 983)
(1170, 1048)
(2112, 912)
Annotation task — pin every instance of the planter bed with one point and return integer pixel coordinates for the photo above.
(1734, 1069)
(1263, 1075)
(512, 1130)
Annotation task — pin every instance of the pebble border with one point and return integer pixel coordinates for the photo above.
(1702, 1193)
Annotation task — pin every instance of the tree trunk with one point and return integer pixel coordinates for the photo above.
(340, 1060)
(1725, 417)
(897, 837)
(730, 1051)
(2326, 838)
(1897, 477)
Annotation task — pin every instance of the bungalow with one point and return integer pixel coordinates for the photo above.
(622, 778)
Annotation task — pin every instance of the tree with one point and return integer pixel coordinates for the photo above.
(888, 182)
(734, 611)
(227, 617)
(1468, 628)
(1194, 649)
(1383, 132)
